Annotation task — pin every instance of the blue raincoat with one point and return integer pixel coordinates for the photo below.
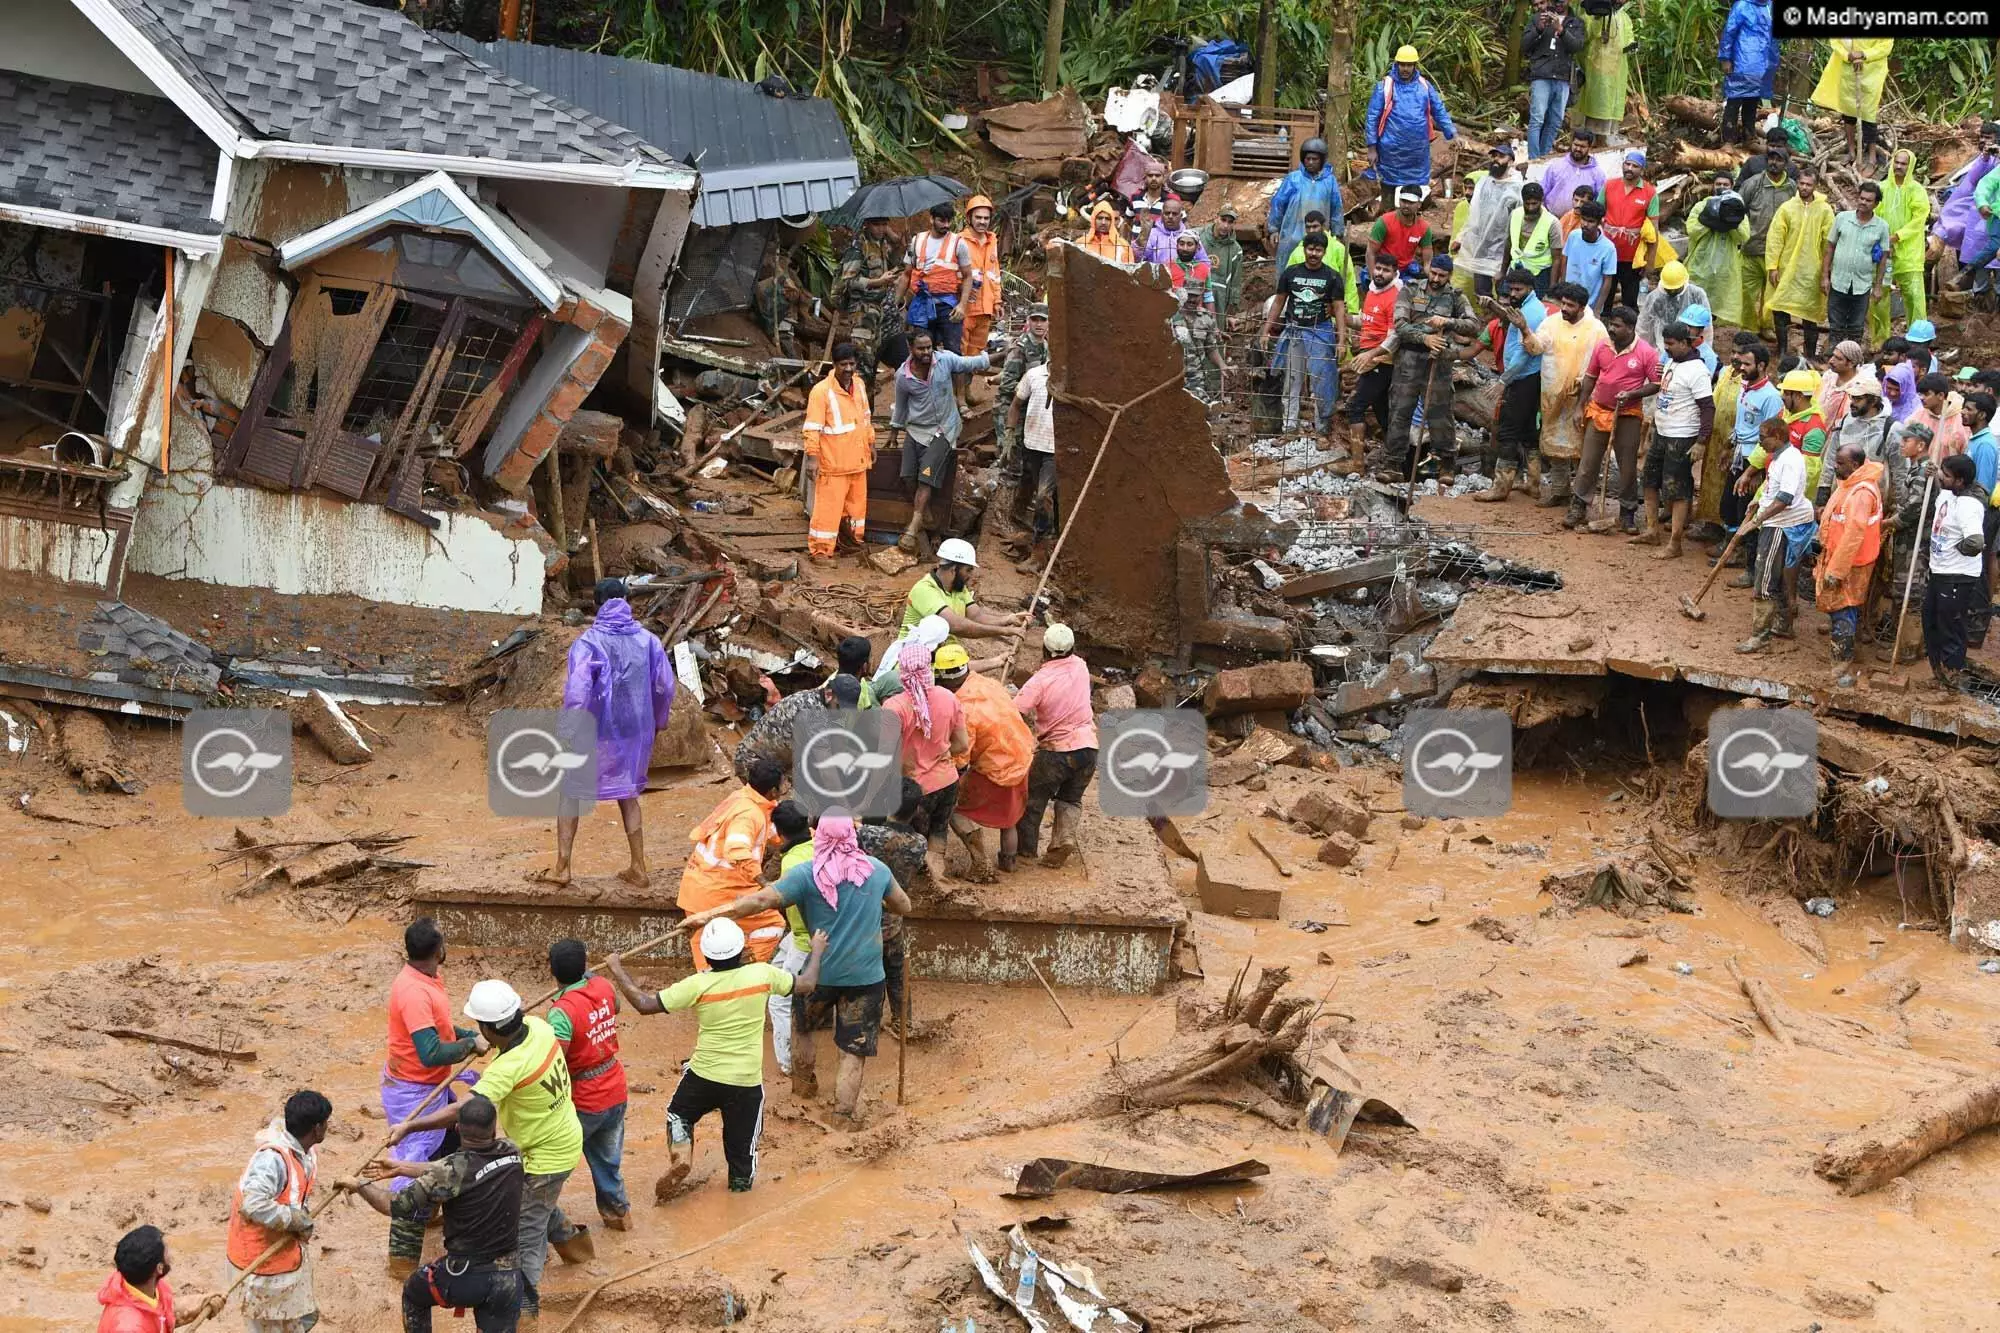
(619, 671)
(1401, 116)
(1747, 42)
(1301, 193)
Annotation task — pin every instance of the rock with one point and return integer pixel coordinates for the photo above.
(1268, 685)
(1840, 1302)
(39, 1203)
(1257, 782)
(1331, 811)
(683, 742)
(1153, 688)
(1437, 1274)
(1116, 697)
(1400, 684)
(1413, 821)
(332, 728)
(591, 433)
(1229, 886)
(1339, 849)
(1270, 746)
(889, 560)
(1492, 927)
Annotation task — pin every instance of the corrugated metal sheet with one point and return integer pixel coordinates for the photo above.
(761, 158)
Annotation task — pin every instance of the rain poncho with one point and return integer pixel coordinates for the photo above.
(1482, 244)
(1605, 72)
(1402, 117)
(1747, 43)
(1792, 256)
(1959, 224)
(619, 672)
(1838, 82)
(1301, 193)
(1715, 264)
(1906, 207)
(1566, 349)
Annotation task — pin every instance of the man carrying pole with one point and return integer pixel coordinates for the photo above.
(272, 1209)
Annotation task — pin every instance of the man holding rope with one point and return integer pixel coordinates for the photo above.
(272, 1213)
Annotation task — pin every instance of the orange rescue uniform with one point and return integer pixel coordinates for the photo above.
(1850, 538)
(248, 1240)
(981, 303)
(840, 437)
(728, 853)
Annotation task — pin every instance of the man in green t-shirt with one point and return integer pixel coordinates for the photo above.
(528, 1083)
(947, 591)
(726, 1071)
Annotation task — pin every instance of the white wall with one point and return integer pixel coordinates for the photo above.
(50, 38)
(67, 551)
(576, 224)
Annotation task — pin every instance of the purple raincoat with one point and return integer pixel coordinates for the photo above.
(1959, 224)
(619, 672)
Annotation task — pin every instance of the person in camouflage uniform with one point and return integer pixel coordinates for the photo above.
(1434, 324)
(900, 847)
(866, 280)
(1225, 264)
(1908, 524)
(1031, 349)
(778, 298)
(770, 737)
(1201, 345)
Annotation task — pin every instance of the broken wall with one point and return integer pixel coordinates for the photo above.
(1120, 568)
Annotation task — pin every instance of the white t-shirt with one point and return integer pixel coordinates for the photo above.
(1683, 384)
(1787, 476)
(1038, 422)
(1955, 517)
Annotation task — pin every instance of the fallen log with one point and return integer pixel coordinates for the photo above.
(199, 1048)
(1698, 111)
(1765, 1001)
(1875, 1155)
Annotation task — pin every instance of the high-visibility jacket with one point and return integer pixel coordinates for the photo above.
(727, 854)
(1002, 746)
(935, 263)
(1110, 246)
(985, 252)
(1850, 536)
(248, 1240)
(1539, 252)
(839, 429)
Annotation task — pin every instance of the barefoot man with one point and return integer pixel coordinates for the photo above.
(618, 671)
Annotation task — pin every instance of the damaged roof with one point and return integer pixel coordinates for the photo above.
(339, 74)
(99, 153)
(761, 158)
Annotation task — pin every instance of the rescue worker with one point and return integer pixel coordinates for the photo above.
(728, 852)
(779, 298)
(1162, 243)
(479, 1186)
(1850, 544)
(1432, 319)
(584, 1017)
(1373, 318)
(1906, 207)
(1309, 187)
(272, 1208)
(424, 1045)
(1794, 255)
(1403, 234)
(1480, 247)
(1104, 239)
(1404, 114)
(1567, 340)
(1677, 292)
(1531, 238)
(839, 450)
(867, 282)
(1311, 303)
(770, 736)
(136, 1297)
(1763, 195)
(1630, 202)
(1622, 372)
(1748, 55)
(1521, 382)
(993, 784)
(1608, 38)
(937, 270)
(1031, 349)
(1225, 266)
(981, 300)
(1194, 329)
(1056, 702)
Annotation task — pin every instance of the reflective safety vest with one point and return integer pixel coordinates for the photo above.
(936, 265)
(248, 1240)
(1837, 520)
(1539, 252)
(724, 862)
(985, 262)
(839, 429)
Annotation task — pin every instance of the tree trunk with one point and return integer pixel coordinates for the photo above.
(510, 19)
(1339, 85)
(1517, 19)
(1052, 50)
(1876, 1155)
(1266, 85)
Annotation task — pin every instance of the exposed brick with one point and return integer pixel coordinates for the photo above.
(568, 397)
(536, 441)
(1339, 849)
(1282, 685)
(590, 365)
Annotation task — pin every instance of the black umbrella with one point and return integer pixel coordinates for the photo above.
(897, 197)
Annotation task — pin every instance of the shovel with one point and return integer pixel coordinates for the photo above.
(1691, 606)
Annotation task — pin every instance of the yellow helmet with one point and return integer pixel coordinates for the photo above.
(1799, 381)
(950, 657)
(1407, 55)
(1674, 276)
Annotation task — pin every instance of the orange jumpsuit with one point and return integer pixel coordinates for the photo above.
(728, 853)
(840, 438)
(981, 303)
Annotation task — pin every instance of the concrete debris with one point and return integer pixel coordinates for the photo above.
(1399, 682)
(1268, 685)
(332, 728)
(1330, 811)
(1227, 885)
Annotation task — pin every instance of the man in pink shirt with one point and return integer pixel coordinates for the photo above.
(1621, 374)
(1056, 702)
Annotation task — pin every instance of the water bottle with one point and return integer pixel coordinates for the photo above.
(706, 507)
(1024, 1291)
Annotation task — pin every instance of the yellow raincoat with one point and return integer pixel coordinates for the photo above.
(1793, 254)
(1606, 70)
(1907, 210)
(1566, 349)
(1720, 446)
(1836, 87)
(1715, 264)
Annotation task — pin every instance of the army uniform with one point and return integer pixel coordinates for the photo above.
(1421, 374)
(865, 258)
(480, 1190)
(774, 312)
(1027, 352)
(1194, 328)
(1225, 271)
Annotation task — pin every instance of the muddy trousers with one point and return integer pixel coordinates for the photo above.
(1909, 284)
(1306, 352)
(1421, 375)
(841, 497)
(542, 1225)
(742, 1111)
(1056, 775)
(604, 1154)
(406, 1234)
(492, 1294)
(1370, 394)
(1948, 602)
(1782, 322)
(1775, 586)
(1623, 443)
(1520, 411)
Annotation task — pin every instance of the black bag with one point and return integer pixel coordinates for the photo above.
(1724, 214)
(1598, 9)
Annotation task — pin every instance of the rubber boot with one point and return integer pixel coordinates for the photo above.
(979, 867)
(578, 1249)
(1503, 485)
(615, 1221)
(1577, 513)
(1062, 844)
(1554, 485)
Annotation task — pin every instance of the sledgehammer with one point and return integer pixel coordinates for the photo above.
(1691, 606)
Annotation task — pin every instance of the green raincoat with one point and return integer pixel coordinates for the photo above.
(1907, 210)
(1715, 264)
(1605, 71)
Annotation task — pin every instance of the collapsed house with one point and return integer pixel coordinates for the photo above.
(298, 297)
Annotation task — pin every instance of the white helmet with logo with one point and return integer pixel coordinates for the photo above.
(958, 551)
(720, 939)
(492, 1002)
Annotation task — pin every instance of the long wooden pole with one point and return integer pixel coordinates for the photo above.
(384, 1146)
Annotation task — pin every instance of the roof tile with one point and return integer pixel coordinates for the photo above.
(101, 153)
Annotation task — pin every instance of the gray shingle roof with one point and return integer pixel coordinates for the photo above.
(760, 157)
(342, 74)
(100, 153)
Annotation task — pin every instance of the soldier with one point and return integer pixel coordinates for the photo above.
(866, 281)
(778, 298)
(1029, 351)
(1201, 344)
(1432, 318)
(1225, 264)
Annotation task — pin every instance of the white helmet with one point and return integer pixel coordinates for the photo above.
(493, 1002)
(720, 939)
(958, 551)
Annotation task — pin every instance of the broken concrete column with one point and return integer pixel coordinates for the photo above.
(332, 728)
(586, 334)
(1268, 685)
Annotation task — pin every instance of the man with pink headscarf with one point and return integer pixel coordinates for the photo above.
(933, 730)
(842, 892)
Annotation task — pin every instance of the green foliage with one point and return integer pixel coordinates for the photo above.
(1943, 78)
(1677, 44)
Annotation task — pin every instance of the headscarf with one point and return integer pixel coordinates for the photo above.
(837, 856)
(913, 668)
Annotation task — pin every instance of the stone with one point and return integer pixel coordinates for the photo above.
(1116, 697)
(592, 433)
(1339, 849)
(330, 725)
(1400, 684)
(1268, 685)
(1227, 884)
(1331, 811)
(1153, 688)
(1268, 745)
(38, 1203)
(1839, 1302)
(683, 742)
(889, 561)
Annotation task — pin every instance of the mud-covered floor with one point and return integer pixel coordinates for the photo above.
(1597, 1147)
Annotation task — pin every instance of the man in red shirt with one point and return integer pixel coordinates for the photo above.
(1628, 202)
(1620, 375)
(136, 1298)
(584, 1017)
(1375, 314)
(1402, 233)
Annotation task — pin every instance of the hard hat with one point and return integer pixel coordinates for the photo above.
(1697, 317)
(1864, 386)
(931, 631)
(1674, 276)
(1058, 639)
(720, 939)
(1923, 331)
(492, 1001)
(958, 551)
(1313, 145)
(950, 657)
(1799, 381)
(1407, 55)
(977, 201)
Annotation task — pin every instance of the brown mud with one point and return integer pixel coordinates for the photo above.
(1600, 1143)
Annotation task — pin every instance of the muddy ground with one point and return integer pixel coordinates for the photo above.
(1597, 1147)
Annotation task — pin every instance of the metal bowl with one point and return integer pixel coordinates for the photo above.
(1188, 183)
